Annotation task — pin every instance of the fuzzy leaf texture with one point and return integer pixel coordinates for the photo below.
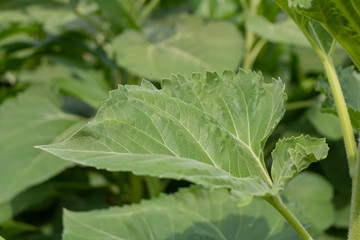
(189, 214)
(341, 18)
(208, 130)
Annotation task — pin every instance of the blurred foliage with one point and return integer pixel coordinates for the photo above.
(84, 48)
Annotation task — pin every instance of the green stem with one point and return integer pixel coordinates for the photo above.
(277, 203)
(153, 186)
(252, 55)
(354, 229)
(251, 49)
(342, 111)
(244, 4)
(147, 10)
(249, 41)
(136, 188)
(298, 105)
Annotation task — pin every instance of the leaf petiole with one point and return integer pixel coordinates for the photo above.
(277, 203)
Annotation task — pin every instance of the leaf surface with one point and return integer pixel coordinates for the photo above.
(190, 214)
(34, 117)
(188, 45)
(326, 124)
(292, 155)
(209, 130)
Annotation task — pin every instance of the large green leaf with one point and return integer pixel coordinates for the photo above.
(350, 85)
(209, 130)
(34, 117)
(316, 34)
(341, 18)
(184, 45)
(190, 214)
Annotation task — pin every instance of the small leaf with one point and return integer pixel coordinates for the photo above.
(188, 45)
(189, 214)
(208, 130)
(34, 117)
(350, 85)
(293, 155)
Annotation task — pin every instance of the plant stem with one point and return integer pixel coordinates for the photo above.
(153, 186)
(354, 229)
(342, 111)
(249, 41)
(147, 10)
(251, 51)
(298, 105)
(277, 203)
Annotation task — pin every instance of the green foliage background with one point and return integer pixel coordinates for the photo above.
(60, 58)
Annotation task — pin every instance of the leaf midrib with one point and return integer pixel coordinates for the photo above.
(173, 118)
(257, 158)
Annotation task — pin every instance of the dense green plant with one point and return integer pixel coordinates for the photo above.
(220, 130)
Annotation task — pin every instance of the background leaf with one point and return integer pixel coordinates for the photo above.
(24, 200)
(83, 83)
(326, 124)
(179, 45)
(34, 117)
(190, 214)
(309, 196)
